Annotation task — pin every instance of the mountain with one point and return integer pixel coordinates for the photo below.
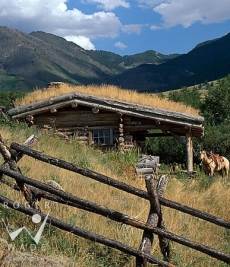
(207, 61)
(39, 58)
(121, 63)
(33, 60)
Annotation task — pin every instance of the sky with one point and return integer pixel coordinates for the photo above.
(122, 26)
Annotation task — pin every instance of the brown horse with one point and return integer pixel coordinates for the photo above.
(213, 162)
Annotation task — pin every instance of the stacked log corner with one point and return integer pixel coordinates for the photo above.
(121, 139)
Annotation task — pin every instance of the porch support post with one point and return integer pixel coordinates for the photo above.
(189, 147)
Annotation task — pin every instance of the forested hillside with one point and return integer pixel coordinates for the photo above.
(206, 62)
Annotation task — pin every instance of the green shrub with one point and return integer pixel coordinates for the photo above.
(169, 149)
(217, 139)
(7, 98)
(190, 97)
(215, 107)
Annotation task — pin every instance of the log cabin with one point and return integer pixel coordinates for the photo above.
(108, 122)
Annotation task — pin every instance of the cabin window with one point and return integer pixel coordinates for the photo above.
(103, 137)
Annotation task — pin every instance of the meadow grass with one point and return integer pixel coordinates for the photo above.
(208, 195)
(108, 91)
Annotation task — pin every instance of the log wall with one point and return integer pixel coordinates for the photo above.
(77, 118)
(80, 121)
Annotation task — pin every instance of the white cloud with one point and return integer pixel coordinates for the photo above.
(187, 12)
(109, 4)
(149, 3)
(120, 45)
(132, 28)
(55, 17)
(82, 41)
(155, 27)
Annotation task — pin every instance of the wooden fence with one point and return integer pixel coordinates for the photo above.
(34, 191)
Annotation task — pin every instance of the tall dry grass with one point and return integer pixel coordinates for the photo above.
(213, 198)
(108, 91)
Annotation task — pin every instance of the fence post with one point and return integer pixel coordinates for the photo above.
(10, 161)
(154, 219)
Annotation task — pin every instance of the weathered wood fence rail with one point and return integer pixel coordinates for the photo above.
(34, 190)
(117, 184)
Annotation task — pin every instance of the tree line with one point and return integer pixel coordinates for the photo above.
(213, 101)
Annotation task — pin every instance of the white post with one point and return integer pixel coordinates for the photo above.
(189, 147)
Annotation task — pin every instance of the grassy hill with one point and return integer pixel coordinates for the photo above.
(194, 95)
(199, 193)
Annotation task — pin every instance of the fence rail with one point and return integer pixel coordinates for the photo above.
(118, 184)
(35, 190)
(86, 234)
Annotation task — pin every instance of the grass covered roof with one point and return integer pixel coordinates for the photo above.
(111, 92)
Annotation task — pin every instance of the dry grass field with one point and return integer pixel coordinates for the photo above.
(213, 197)
(108, 91)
